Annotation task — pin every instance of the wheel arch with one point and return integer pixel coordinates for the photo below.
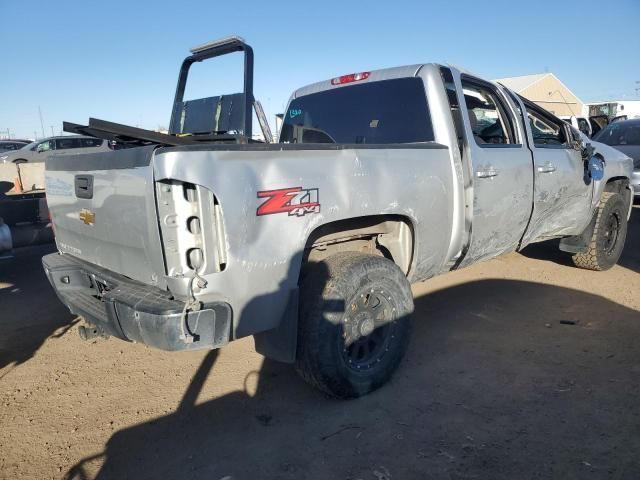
(616, 184)
(388, 235)
(620, 184)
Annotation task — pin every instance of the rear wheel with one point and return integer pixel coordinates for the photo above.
(609, 234)
(354, 323)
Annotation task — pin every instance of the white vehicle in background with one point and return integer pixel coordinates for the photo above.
(613, 109)
(600, 114)
(579, 123)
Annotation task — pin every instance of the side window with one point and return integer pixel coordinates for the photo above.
(44, 146)
(490, 122)
(545, 131)
(90, 142)
(67, 143)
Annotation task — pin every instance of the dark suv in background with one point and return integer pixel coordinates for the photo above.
(625, 136)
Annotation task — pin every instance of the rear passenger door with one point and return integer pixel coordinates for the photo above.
(563, 191)
(502, 170)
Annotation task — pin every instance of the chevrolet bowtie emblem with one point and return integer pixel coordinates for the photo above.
(87, 216)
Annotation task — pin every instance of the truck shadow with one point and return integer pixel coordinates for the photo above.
(630, 256)
(30, 312)
(516, 380)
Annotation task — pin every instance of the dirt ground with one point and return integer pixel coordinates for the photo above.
(520, 368)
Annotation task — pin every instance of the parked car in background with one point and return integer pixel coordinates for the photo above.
(625, 136)
(10, 145)
(39, 151)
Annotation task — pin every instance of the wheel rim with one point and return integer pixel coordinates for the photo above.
(368, 330)
(611, 233)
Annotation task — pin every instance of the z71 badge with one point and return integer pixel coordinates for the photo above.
(296, 201)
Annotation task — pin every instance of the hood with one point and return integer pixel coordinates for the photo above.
(10, 155)
(614, 155)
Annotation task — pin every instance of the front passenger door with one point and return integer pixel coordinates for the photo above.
(562, 194)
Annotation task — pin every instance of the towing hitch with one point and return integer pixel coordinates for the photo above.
(90, 332)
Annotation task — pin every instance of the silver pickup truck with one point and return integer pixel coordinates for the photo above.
(380, 179)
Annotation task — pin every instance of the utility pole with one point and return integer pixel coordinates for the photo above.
(35, 135)
(41, 122)
(52, 134)
(637, 87)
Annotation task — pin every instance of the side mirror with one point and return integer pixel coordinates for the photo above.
(587, 152)
(596, 168)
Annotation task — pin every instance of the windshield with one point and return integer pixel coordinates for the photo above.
(620, 134)
(29, 146)
(383, 112)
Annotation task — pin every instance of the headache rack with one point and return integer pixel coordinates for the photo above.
(223, 118)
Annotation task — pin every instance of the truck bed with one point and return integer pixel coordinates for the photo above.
(123, 227)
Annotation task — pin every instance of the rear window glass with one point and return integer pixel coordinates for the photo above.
(383, 112)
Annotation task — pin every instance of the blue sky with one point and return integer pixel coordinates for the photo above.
(119, 60)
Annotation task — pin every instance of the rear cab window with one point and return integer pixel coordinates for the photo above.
(381, 112)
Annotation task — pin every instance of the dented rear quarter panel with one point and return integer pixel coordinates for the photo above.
(265, 252)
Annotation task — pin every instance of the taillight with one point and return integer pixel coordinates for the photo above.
(191, 227)
(352, 77)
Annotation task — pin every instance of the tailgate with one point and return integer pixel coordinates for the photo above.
(104, 212)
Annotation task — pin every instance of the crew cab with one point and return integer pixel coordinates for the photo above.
(380, 179)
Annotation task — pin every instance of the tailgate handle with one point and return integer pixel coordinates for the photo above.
(84, 186)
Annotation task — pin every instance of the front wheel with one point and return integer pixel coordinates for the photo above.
(609, 234)
(354, 323)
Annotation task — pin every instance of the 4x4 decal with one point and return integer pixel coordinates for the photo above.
(296, 201)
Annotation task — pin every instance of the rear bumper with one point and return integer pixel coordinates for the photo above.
(132, 311)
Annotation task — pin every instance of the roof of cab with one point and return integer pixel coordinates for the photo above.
(374, 76)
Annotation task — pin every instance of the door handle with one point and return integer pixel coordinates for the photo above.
(488, 173)
(547, 168)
